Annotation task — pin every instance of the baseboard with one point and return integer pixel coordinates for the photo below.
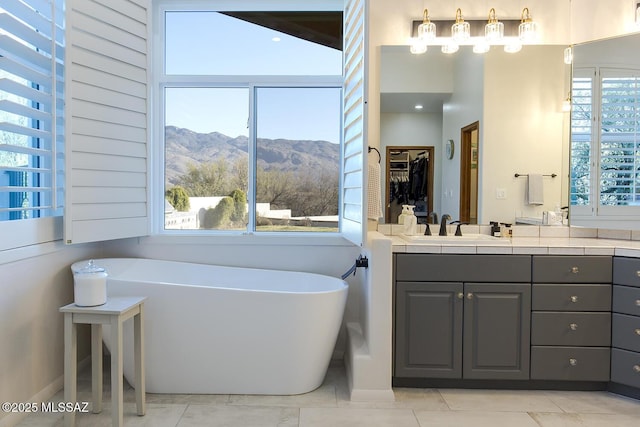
(13, 418)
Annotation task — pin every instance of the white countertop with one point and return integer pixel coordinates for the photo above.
(527, 246)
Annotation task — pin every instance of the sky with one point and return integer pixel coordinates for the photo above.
(194, 47)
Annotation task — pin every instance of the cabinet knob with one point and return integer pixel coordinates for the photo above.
(574, 298)
(638, 273)
(575, 270)
(573, 326)
(460, 295)
(638, 331)
(636, 368)
(573, 362)
(470, 295)
(638, 303)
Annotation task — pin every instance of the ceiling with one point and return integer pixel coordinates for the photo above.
(406, 102)
(324, 28)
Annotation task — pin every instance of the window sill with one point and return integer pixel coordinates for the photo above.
(258, 239)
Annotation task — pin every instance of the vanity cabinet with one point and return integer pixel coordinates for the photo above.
(571, 318)
(462, 316)
(625, 352)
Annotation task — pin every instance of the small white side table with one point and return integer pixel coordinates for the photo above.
(114, 313)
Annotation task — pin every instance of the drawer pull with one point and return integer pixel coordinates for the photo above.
(574, 298)
(573, 326)
(470, 295)
(460, 295)
(575, 270)
(573, 362)
(636, 368)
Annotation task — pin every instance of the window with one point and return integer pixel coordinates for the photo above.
(605, 157)
(251, 119)
(31, 109)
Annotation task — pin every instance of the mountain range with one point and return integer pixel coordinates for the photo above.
(184, 147)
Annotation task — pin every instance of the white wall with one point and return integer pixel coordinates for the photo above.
(32, 336)
(522, 129)
(464, 108)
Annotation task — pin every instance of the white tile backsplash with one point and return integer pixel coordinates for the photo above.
(526, 231)
(604, 233)
(583, 232)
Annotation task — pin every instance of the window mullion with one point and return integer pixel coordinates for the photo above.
(252, 169)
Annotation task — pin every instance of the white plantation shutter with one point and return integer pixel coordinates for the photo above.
(619, 171)
(31, 105)
(107, 115)
(354, 121)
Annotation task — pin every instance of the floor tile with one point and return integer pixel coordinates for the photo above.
(594, 402)
(474, 419)
(244, 416)
(324, 396)
(357, 417)
(498, 400)
(585, 420)
(409, 398)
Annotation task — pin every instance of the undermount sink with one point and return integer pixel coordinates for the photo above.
(466, 239)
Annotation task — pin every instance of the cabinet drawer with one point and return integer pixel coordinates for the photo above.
(572, 269)
(626, 300)
(626, 332)
(626, 271)
(571, 297)
(570, 363)
(463, 268)
(573, 328)
(625, 367)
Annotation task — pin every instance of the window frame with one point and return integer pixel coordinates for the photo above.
(162, 81)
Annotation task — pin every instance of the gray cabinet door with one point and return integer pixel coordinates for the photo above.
(428, 333)
(497, 331)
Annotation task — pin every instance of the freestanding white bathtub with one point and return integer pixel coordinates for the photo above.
(227, 330)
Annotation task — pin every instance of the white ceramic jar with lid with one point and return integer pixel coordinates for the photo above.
(89, 285)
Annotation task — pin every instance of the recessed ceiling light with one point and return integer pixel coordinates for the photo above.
(275, 39)
(418, 107)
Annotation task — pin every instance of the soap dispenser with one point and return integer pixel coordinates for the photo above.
(403, 214)
(410, 222)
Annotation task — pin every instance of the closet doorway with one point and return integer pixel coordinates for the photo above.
(409, 181)
(469, 173)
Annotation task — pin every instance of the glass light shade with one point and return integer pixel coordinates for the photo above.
(494, 31)
(417, 47)
(450, 47)
(513, 46)
(568, 56)
(527, 31)
(481, 47)
(427, 31)
(460, 31)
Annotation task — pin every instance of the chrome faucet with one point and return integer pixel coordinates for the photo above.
(443, 224)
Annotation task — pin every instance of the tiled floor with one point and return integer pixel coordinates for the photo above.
(329, 406)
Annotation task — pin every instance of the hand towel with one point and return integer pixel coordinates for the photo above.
(374, 192)
(535, 190)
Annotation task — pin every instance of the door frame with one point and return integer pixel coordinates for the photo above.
(465, 170)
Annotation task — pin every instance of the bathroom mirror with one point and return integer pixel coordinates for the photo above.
(516, 100)
(616, 62)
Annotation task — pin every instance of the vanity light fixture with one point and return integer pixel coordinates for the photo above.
(527, 30)
(417, 47)
(482, 46)
(566, 104)
(513, 46)
(568, 55)
(450, 47)
(494, 30)
(426, 30)
(460, 31)
(638, 15)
